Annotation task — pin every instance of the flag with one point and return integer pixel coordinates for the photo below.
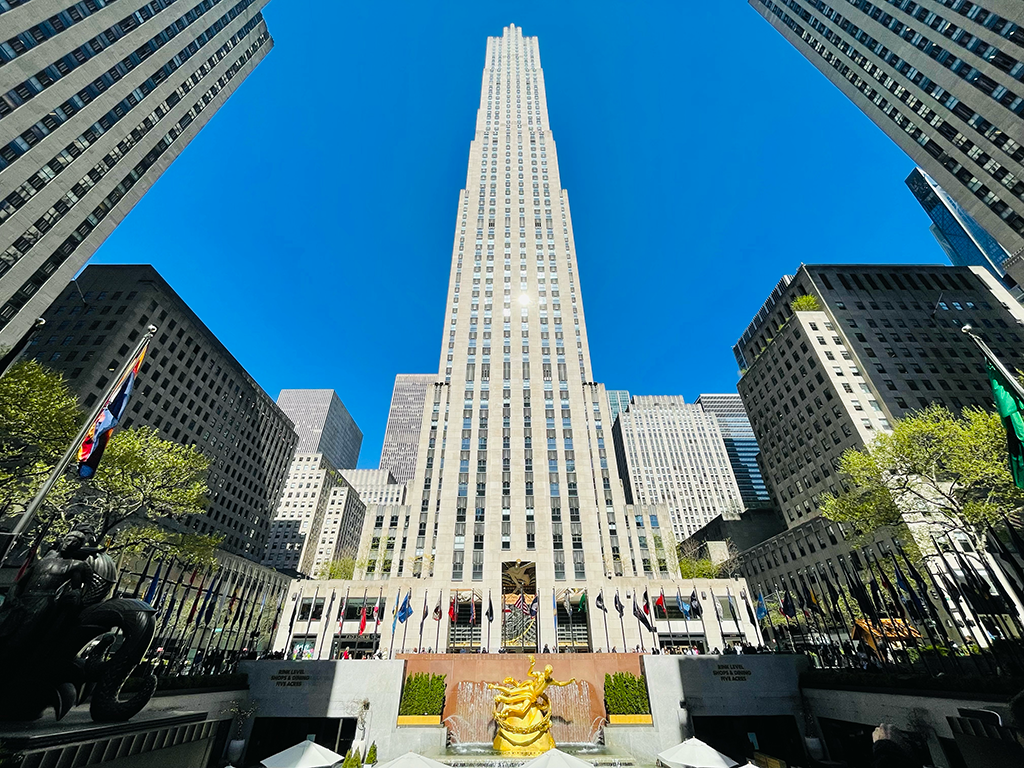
(209, 595)
(750, 610)
(472, 610)
(198, 598)
(833, 593)
(437, 609)
(646, 606)
(362, 619)
(893, 593)
(554, 611)
(582, 604)
(695, 607)
(453, 615)
(377, 612)
(599, 602)
(683, 607)
(917, 608)
(787, 608)
(809, 597)
(341, 610)
(1011, 568)
(732, 605)
(660, 602)
(714, 604)
(295, 612)
(762, 609)
(405, 611)
(490, 610)
(91, 450)
(534, 606)
(330, 606)
(618, 604)
(567, 603)
(641, 616)
(1009, 405)
(153, 585)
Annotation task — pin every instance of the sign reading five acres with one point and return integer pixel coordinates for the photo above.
(289, 678)
(731, 673)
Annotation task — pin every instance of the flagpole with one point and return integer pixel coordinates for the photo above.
(491, 619)
(37, 501)
(639, 629)
(768, 613)
(604, 613)
(423, 621)
(326, 623)
(405, 628)
(568, 609)
(686, 620)
(622, 623)
(437, 633)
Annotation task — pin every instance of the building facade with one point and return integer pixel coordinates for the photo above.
(671, 452)
(190, 388)
(323, 425)
(96, 100)
(516, 504)
(740, 445)
(375, 486)
(942, 78)
(618, 401)
(962, 239)
(884, 342)
(405, 420)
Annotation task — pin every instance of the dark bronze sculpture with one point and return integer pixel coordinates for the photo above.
(58, 640)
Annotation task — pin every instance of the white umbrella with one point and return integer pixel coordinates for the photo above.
(413, 760)
(308, 754)
(694, 753)
(556, 758)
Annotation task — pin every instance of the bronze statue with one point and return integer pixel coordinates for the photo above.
(57, 634)
(523, 712)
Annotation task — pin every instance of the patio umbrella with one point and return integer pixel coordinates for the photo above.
(308, 754)
(694, 753)
(413, 760)
(556, 758)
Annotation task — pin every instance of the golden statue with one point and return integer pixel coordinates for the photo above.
(523, 712)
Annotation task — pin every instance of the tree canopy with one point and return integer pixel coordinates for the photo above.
(805, 303)
(341, 568)
(142, 495)
(950, 469)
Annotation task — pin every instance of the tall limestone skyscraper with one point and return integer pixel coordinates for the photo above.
(516, 504)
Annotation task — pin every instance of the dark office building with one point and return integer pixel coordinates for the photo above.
(943, 79)
(190, 388)
(97, 98)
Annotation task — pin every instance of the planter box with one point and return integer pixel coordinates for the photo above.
(419, 719)
(630, 720)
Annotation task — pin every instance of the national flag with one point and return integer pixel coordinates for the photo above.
(452, 613)
(646, 606)
(683, 607)
(695, 607)
(91, 450)
(1009, 403)
(567, 603)
(198, 598)
(330, 606)
(833, 593)
(295, 612)
(809, 596)
(341, 611)
(437, 609)
(534, 606)
(554, 611)
(762, 608)
(893, 593)
(362, 619)
(660, 603)
(641, 616)
(472, 610)
(406, 610)
(618, 604)
(490, 610)
(209, 595)
(153, 585)
(714, 604)
(750, 610)
(787, 608)
(732, 605)
(581, 606)
(917, 608)
(599, 602)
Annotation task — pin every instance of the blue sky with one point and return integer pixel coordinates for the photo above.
(310, 223)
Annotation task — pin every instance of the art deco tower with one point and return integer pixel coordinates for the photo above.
(515, 458)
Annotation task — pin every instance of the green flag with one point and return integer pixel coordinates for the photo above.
(583, 602)
(1010, 405)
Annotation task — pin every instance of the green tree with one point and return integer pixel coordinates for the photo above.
(141, 498)
(805, 303)
(699, 568)
(39, 417)
(340, 568)
(371, 756)
(950, 470)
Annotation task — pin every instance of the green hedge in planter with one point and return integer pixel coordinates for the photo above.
(423, 694)
(626, 694)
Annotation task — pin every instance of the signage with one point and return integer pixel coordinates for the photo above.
(289, 678)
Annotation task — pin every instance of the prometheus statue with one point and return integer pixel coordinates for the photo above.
(523, 712)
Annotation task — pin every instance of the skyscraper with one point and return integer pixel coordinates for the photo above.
(671, 452)
(516, 501)
(618, 401)
(323, 425)
(190, 388)
(96, 101)
(740, 445)
(964, 241)
(402, 435)
(942, 79)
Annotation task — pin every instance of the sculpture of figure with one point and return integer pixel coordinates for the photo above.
(522, 712)
(56, 630)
